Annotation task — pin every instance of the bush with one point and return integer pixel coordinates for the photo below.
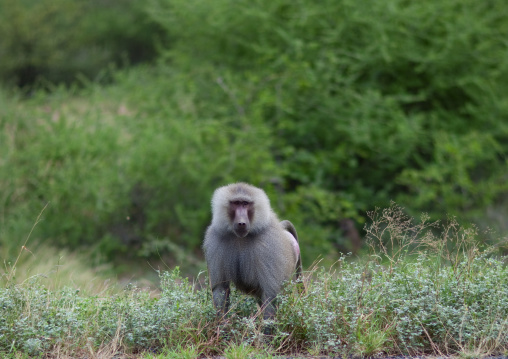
(421, 290)
(59, 41)
(334, 108)
(124, 171)
(130, 320)
(392, 100)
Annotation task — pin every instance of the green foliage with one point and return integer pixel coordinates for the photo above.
(318, 211)
(454, 177)
(416, 292)
(118, 178)
(189, 352)
(59, 40)
(387, 100)
(133, 317)
(36, 36)
(333, 107)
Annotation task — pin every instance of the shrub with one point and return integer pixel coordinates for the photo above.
(392, 100)
(59, 41)
(418, 292)
(119, 177)
(334, 108)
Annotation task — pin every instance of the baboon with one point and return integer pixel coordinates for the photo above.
(247, 244)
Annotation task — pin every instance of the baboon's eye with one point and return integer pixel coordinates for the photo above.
(240, 203)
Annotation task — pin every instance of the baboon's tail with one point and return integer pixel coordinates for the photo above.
(288, 226)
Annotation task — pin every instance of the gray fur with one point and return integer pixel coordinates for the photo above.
(258, 263)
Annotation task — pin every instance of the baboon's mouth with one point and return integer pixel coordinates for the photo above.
(241, 232)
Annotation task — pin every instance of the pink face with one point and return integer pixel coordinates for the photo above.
(240, 214)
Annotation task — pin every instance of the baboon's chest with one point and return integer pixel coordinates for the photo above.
(244, 273)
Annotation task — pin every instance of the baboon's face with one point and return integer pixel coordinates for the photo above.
(240, 212)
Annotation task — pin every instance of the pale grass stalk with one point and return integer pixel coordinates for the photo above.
(23, 247)
(109, 350)
(435, 348)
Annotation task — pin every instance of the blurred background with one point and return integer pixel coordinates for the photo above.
(125, 115)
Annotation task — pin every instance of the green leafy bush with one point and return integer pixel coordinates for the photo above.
(422, 289)
(58, 41)
(120, 178)
(385, 100)
(133, 316)
(333, 107)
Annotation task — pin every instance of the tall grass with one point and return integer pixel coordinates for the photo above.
(426, 288)
(51, 267)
